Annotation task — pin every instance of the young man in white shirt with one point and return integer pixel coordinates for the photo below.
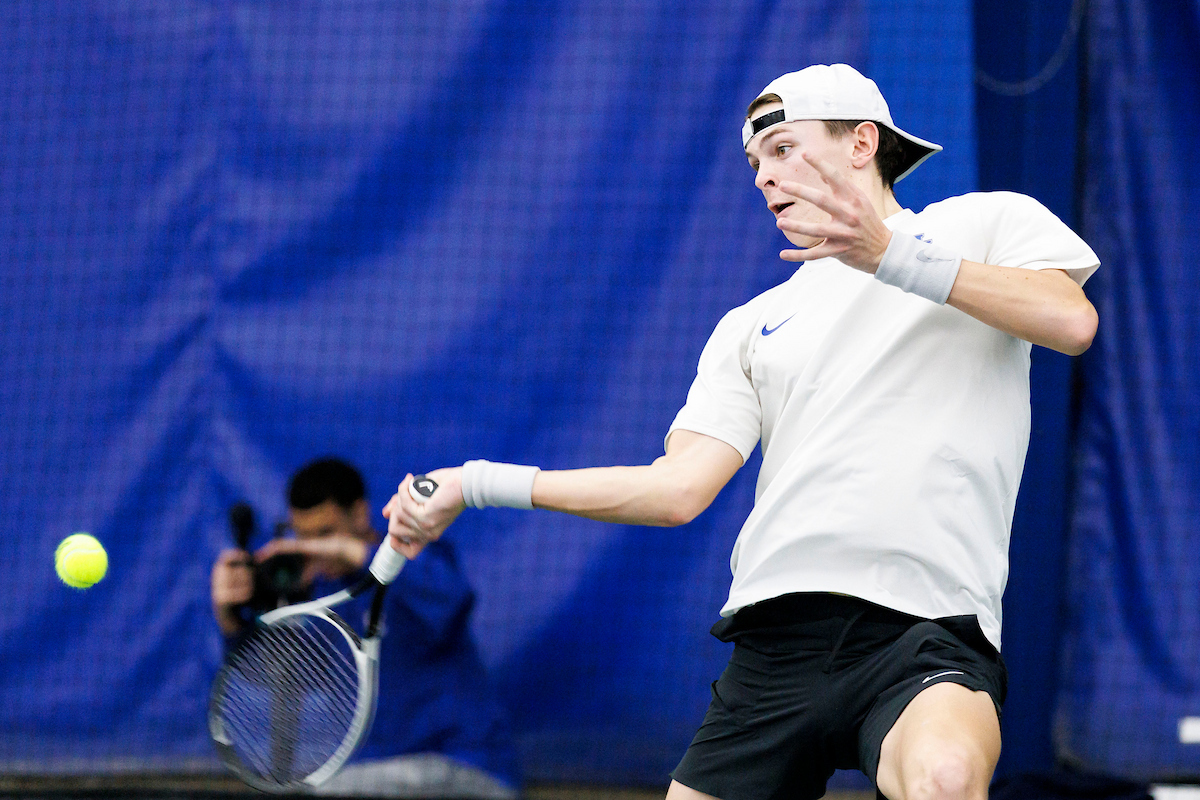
(887, 382)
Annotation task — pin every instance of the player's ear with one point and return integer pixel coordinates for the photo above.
(866, 143)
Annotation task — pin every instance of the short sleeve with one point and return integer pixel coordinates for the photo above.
(722, 402)
(1021, 232)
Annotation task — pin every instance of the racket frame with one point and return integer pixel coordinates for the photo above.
(386, 564)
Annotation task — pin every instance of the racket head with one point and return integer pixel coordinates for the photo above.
(293, 700)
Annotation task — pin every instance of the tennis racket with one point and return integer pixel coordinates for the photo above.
(297, 694)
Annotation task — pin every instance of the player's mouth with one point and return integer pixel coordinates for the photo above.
(779, 208)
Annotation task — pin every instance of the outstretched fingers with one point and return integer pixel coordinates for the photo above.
(822, 199)
(808, 254)
(810, 228)
(854, 233)
(827, 171)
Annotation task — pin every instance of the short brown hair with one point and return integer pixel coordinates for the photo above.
(890, 157)
(762, 101)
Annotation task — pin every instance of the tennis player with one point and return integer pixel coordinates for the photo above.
(888, 383)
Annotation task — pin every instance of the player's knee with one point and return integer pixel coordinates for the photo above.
(950, 772)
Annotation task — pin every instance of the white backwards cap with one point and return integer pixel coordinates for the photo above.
(836, 91)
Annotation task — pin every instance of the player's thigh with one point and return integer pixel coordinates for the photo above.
(945, 744)
(677, 791)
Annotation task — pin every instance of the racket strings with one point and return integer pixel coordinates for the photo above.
(291, 691)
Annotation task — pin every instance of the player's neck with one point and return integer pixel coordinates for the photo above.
(884, 200)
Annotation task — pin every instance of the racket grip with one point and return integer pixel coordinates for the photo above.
(387, 563)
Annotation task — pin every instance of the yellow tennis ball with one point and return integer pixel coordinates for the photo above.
(80, 560)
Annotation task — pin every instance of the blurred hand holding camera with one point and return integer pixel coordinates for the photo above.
(331, 557)
(232, 588)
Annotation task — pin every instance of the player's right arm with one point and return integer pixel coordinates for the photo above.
(672, 490)
(232, 586)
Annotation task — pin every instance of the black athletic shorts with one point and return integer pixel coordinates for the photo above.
(814, 684)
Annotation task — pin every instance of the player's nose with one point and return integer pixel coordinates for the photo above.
(764, 178)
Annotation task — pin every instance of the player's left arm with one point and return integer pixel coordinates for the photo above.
(1045, 307)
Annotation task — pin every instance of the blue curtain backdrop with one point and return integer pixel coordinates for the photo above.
(238, 235)
(1131, 674)
(1026, 111)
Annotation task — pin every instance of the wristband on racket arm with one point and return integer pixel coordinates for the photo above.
(919, 267)
(488, 483)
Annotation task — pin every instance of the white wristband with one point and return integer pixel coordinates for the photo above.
(919, 267)
(485, 483)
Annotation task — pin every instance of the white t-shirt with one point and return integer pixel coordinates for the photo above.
(893, 429)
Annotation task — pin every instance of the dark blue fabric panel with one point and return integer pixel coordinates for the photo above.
(238, 235)
(1134, 629)
(1027, 143)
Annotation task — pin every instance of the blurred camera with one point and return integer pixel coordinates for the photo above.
(277, 581)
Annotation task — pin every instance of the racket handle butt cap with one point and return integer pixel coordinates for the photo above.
(422, 488)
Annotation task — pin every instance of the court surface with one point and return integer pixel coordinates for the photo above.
(217, 786)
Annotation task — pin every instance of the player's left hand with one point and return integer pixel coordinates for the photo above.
(412, 525)
(854, 234)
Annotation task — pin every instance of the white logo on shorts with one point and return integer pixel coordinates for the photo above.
(944, 674)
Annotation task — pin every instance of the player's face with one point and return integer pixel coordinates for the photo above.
(775, 156)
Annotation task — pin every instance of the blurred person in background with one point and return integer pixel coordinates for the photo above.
(439, 730)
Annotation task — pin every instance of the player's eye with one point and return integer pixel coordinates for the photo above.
(781, 150)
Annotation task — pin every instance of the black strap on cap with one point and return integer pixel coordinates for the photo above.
(767, 120)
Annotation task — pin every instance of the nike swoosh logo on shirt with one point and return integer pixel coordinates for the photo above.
(768, 332)
(944, 674)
